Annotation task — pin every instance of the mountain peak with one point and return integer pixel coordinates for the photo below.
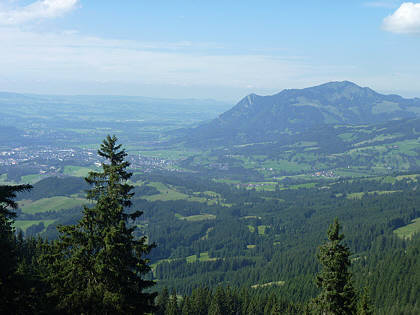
(339, 84)
(341, 102)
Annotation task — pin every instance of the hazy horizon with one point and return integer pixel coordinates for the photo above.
(215, 50)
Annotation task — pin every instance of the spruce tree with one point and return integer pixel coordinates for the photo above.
(172, 306)
(337, 295)
(162, 301)
(9, 285)
(364, 305)
(187, 308)
(98, 266)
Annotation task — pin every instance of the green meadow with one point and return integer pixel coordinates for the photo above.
(78, 171)
(25, 224)
(197, 217)
(56, 203)
(407, 232)
(202, 258)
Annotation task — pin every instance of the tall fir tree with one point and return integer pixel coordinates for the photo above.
(172, 306)
(337, 295)
(9, 284)
(364, 305)
(98, 266)
(187, 307)
(162, 302)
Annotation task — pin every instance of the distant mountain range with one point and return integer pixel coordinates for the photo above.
(266, 118)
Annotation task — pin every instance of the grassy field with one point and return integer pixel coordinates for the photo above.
(171, 154)
(285, 165)
(203, 257)
(56, 203)
(407, 232)
(262, 229)
(25, 224)
(78, 171)
(412, 178)
(206, 236)
(3, 179)
(299, 186)
(197, 217)
(31, 179)
(268, 284)
(26, 179)
(360, 195)
(167, 193)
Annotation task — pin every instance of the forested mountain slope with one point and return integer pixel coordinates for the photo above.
(262, 118)
(212, 234)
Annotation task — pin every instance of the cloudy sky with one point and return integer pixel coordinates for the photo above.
(206, 49)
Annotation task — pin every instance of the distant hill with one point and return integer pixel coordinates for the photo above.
(262, 118)
(30, 119)
(107, 107)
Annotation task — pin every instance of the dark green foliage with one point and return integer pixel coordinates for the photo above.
(97, 266)
(337, 295)
(172, 307)
(7, 196)
(228, 301)
(393, 276)
(10, 289)
(364, 305)
(162, 301)
(55, 186)
(295, 221)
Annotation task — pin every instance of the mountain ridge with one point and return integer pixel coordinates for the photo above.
(259, 118)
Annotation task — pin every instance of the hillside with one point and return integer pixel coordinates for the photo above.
(325, 150)
(214, 234)
(263, 118)
(31, 119)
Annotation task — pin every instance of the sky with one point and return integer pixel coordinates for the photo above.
(215, 49)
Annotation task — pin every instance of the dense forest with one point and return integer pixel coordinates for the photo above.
(210, 248)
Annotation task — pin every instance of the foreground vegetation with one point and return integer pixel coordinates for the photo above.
(255, 245)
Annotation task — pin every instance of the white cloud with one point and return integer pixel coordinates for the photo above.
(72, 57)
(68, 62)
(406, 19)
(41, 9)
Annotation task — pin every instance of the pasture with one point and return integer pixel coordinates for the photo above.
(407, 232)
(56, 203)
(25, 224)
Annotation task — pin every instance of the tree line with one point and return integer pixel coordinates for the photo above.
(100, 265)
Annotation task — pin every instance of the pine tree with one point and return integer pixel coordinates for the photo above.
(9, 290)
(162, 301)
(364, 306)
(172, 306)
(337, 293)
(270, 305)
(253, 307)
(187, 307)
(97, 265)
(200, 301)
(214, 308)
(275, 310)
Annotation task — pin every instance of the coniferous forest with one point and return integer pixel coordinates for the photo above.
(209, 157)
(265, 252)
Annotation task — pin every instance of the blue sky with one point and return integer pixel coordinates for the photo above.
(207, 49)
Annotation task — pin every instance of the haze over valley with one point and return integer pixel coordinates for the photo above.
(180, 158)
